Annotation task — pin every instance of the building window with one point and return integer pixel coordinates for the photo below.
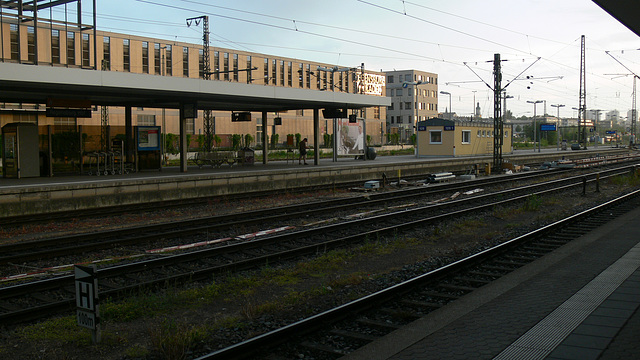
(249, 71)
(201, 63)
(106, 52)
(86, 60)
(55, 47)
(479, 133)
(157, 67)
(236, 73)
(64, 124)
(15, 42)
(407, 105)
(190, 126)
(376, 112)
(506, 133)
(282, 72)
(126, 55)
(266, 71)
(31, 44)
(274, 72)
(399, 119)
(225, 65)
(407, 77)
(435, 137)
(216, 65)
(308, 76)
(71, 48)
(289, 74)
(145, 57)
(300, 112)
(466, 136)
(146, 120)
(185, 61)
(168, 62)
(390, 79)
(300, 76)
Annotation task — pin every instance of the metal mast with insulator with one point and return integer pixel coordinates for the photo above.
(208, 125)
(582, 108)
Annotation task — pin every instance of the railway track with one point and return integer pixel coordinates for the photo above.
(41, 298)
(13, 221)
(25, 251)
(52, 247)
(342, 330)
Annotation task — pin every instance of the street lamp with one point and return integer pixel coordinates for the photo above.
(535, 124)
(558, 129)
(450, 111)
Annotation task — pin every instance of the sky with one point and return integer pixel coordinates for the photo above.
(456, 39)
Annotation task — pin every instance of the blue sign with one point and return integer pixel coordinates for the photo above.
(611, 132)
(547, 127)
(449, 127)
(422, 128)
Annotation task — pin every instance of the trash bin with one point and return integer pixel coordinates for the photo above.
(371, 153)
(247, 156)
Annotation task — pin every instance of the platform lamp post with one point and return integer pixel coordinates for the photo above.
(450, 111)
(535, 124)
(558, 106)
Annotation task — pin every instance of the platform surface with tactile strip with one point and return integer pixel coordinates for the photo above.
(579, 302)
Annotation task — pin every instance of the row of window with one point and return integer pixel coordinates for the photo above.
(407, 105)
(224, 66)
(435, 136)
(416, 92)
(415, 77)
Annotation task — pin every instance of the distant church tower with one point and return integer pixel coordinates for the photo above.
(478, 112)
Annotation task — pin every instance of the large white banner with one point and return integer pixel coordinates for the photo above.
(351, 138)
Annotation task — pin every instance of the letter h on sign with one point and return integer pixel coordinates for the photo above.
(85, 297)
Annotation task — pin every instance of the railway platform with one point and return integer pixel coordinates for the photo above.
(578, 302)
(78, 192)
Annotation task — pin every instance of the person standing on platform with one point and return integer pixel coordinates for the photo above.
(303, 151)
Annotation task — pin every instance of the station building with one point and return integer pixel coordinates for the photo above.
(68, 46)
(451, 138)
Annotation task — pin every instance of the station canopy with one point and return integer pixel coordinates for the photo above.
(21, 83)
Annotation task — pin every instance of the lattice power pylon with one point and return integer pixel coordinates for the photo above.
(104, 120)
(498, 122)
(582, 107)
(208, 126)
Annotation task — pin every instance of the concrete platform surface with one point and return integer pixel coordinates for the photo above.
(579, 302)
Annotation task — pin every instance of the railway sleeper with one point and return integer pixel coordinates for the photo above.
(405, 315)
(8, 307)
(493, 275)
(378, 324)
(354, 335)
(531, 254)
(42, 297)
(472, 280)
(422, 304)
(554, 240)
(322, 348)
(439, 295)
(501, 269)
(520, 258)
(456, 287)
(515, 264)
(540, 248)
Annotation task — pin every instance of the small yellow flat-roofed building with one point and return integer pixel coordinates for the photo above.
(441, 138)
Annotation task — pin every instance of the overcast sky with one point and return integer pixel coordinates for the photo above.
(428, 35)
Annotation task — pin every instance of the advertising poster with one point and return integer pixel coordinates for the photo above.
(148, 138)
(351, 138)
